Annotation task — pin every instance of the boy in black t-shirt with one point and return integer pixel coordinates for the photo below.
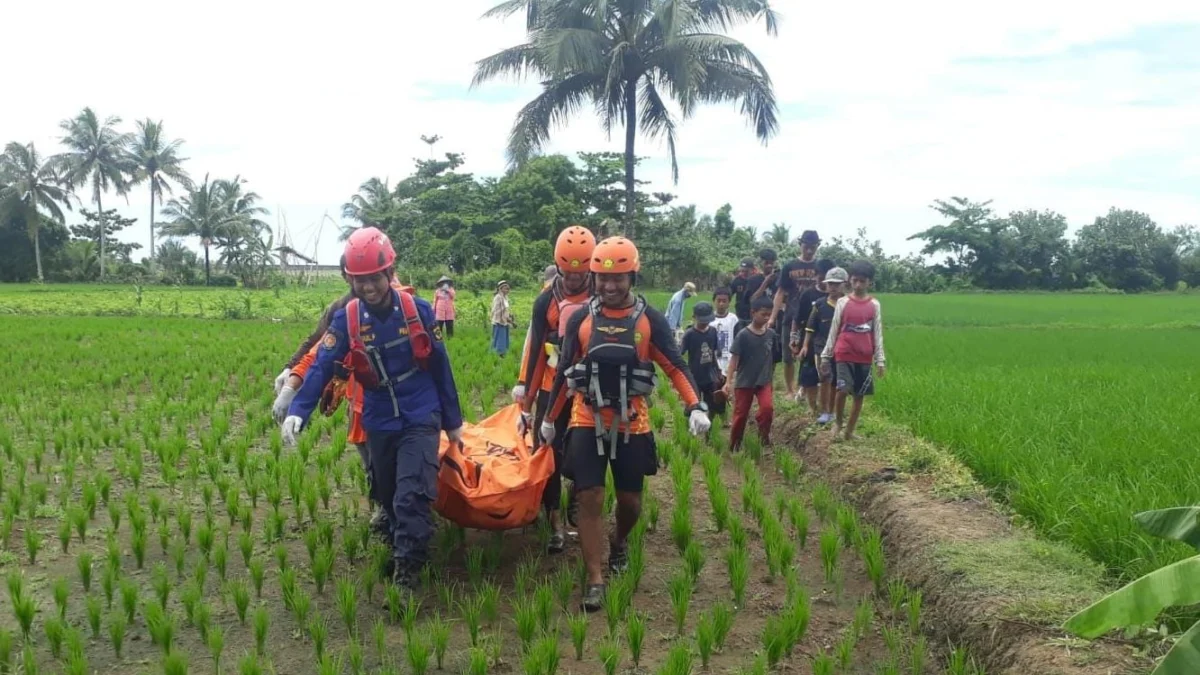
(738, 287)
(816, 335)
(810, 379)
(700, 347)
(796, 277)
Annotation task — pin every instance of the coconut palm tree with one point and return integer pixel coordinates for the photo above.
(627, 58)
(198, 213)
(779, 236)
(158, 164)
(373, 201)
(31, 186)
(96, 155)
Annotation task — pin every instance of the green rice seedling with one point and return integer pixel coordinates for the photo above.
(175, 664)
(258, 572)
(164, 537)
(351, 545)
(862, 617)
(721, 617)
(446, 594)
(249, 665)
(262, 623)
(409, 613)
(960, 662)
(240, 595)
(183, 518)
(114, 516)
(216, 646)
(489, 598)
(318, 631)
(116, 632)
(679, 660)
(914, 612)
(892, 640)
(796, 617)
(79, 518)
(281, 557)
(77, 664)
(848, 526)
(379, 634)
(680, 589)
(527, 570)
(328, 666)
(609, 652)
(844, 651)
(287, 587)
(439, 634)
(179, 557)
(526, 618)
(477, 662)
(718, 497)
(897, 595)
(917, 655)
(161, 583)
(347, 602)
(831, 548)
(220, 560)
(391, 598)
(564, 586)
(321, 569)
(312, 541)
(774, 640)
(532, 664)
(737, 562)
(84, 564)
(246, 546)
(578, 625)
(823, 502)
(475, 566)
(29, 665)
(418, 655)
(204, 539)
(547, 649)
(823, 664)
(62, 594)
(693, 560)
(873, 560)
(156, 505)
(16, 585)
(33, 542)
(6, 652)
(492, 553)
(203, 619)
(129, 599)
(472, 611)
(55, 630)
(543, 600)
(301, 606)
(681, 526)
(64, 534)
(108, 584)
(705, 638)
(94, 612)
(799, 519)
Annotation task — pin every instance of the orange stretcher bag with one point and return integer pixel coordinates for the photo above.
(493, 481)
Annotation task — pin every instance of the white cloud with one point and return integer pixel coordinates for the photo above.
(885, 107)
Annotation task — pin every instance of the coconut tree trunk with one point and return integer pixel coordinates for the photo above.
(152, 179)
(630, 139)
(37, 248)
(206, 274)
(100, 218)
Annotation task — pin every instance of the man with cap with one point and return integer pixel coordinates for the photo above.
(701, 347)
(675, 308)
(549, 276)
(740, 287)
(795, 278)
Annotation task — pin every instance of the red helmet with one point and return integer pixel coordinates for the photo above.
(367, 251)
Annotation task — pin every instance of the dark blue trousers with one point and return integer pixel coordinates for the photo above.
(404, 465)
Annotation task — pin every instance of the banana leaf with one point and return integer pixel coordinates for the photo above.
(1140, 602)
(1181, 523)
(1184, 657)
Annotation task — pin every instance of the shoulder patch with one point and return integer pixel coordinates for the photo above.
(329, 341)
(437, 332)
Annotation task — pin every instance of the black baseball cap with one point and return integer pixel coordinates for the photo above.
(703, 311)
(747, 263)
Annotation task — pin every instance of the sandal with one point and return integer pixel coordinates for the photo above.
(593, 598)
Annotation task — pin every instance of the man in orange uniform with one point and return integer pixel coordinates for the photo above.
(605, 374)
(568, 292)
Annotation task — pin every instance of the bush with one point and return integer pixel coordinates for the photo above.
(224, 280)
(485, 280)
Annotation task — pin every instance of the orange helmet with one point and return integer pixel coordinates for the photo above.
(574, 249)
(615, 255)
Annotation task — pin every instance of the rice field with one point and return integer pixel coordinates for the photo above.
(151, 521)
(1077, 411)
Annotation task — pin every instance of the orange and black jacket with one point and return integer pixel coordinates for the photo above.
(536, 372)
(659, 348)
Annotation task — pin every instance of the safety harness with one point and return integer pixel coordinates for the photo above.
(612, 371)
(366, 361)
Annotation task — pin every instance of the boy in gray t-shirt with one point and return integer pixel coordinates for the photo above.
(751, 374)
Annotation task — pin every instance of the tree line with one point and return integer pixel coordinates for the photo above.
(98, 159)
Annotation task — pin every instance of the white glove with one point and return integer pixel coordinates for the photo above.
(523, 423)
(698, 423)
(455, 435)
(291, 427)
(547, 432)
(281, 379)
(518, 393)
(282, 402)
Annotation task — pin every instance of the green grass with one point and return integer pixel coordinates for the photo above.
(1076, 427)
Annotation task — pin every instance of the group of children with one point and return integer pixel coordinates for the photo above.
(813, 312)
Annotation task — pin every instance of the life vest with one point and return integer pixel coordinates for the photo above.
(566, 309)
(366, 363)
(613, 371)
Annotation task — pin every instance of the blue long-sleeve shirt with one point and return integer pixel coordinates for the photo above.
(427, 396)
(675, 309)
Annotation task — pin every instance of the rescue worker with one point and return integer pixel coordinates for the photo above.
(387, 339)
(605, 373)
(570, 290)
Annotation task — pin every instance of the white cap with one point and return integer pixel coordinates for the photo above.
(837, 275)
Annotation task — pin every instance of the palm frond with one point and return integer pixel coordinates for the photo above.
(557, 102)
(573, 50)
(610, 104)
(656, 121)
(517, 62)
(726, 14)
(725, 81)
(533, 11)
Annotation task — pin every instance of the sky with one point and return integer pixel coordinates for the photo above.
(1055, 104)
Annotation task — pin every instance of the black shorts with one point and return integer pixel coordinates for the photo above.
(708, 394)
(635, 460)
(810, 376)
(855, 379)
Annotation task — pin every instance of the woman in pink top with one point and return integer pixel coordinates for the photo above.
(443, 306)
